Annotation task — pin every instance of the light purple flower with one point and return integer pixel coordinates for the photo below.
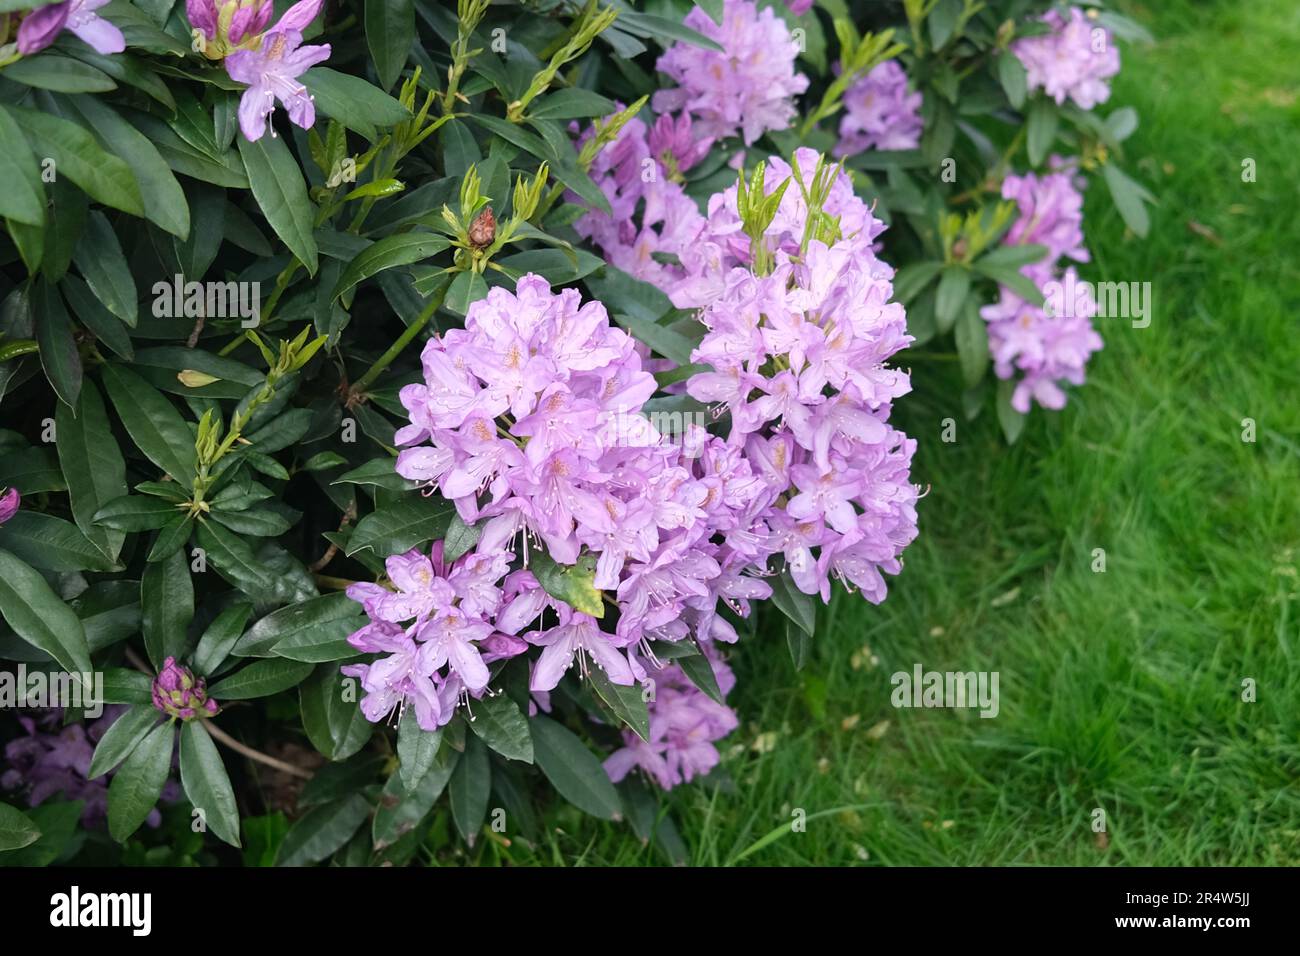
(747, 87)
(880, 112)
(1050, 344)
(685, 726)
(1044, 349)
(9, 503)
(271, 74)
(40, 27)
(651, 215)
(1073, 61)
(53, 760)
(577, 636)
(672, 140)
(1051, 212)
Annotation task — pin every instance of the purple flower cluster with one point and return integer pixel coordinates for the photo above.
(438, 630)
(1043, 345)
(747, 87)
(268, 62)
(43, 25)
(650, 212)
(1073, 61)
(179, 694)
(798, 359)
(52, 760)
(1051, 212)
(685, 723)
(530, 422)
(880, 112)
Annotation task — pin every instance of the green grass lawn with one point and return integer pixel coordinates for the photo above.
(1119, 690)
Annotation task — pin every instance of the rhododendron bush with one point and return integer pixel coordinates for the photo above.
(411, 405)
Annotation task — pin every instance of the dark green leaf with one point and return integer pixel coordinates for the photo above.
(1129, 199)
(321, 831)
(203, 774)
(390, 31)
(221, 635)
(334, 723)
(52, 71)
(314, 630)
(471, 783)
(258, 522)
(121, 738)
(379, 473)
(401, 526)
(572, 103)
(1042, 122)
(626, 701)
(92, 464)
(138, 784)
(38, 616)
(700, 672)
(16, 829)
(31, 470)
(954, 285)
(105, 178)
(1011, 74)
(125, 686)
(500, 724)
(663, 29)
(136, 513)
(1014, 256)
(161, 194)
(167, 607)
(352, 101)
(799, 644)
(793, 603)
(662, 340)
(278, 187)
(460, 540)
(153, 424)
(389, 252)
(22, 199)
(466, 288)
(574, 770)
(416, 748)
(260, 679)
(59, 355)
(51, 543)
(972, 344)
(400, 811)
(106, 327)
(1012, 421)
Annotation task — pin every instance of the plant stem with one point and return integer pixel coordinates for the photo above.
(338, 584)
(220, 735)
(394, 350)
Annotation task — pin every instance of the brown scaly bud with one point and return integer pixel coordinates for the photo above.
(483, 229)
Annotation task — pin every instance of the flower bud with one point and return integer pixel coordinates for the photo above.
(178, 693)
(483, 229)
(9, 502)
(192, 378)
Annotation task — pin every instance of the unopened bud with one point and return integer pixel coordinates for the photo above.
(192, 378)
(178, 693)
(483, 229)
